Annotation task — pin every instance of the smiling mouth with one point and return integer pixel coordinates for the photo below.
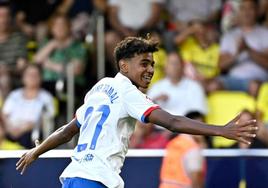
(147, 78)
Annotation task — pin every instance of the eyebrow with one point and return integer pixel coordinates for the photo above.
(147, 60)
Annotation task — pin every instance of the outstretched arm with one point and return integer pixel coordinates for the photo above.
(60, 136)
(235, 129)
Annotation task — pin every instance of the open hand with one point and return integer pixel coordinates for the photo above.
(241, 131)
(27, 158)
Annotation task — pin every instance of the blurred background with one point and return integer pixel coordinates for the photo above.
(212, 64)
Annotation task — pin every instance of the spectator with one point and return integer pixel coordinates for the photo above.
(23, 108)
(262, 10)
(5, 144)
(199, 52)
(203, 142)
(244, 53)
(183, 164)
(231, 8)
(170, 91)
(59, 52)
(12, 50)
(147, 136)
(31, 14)
(229, 15)
(159, 57)
(183, 12)
(128, 21)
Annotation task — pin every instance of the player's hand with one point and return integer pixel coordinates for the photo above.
(27, 158)
(241, 131)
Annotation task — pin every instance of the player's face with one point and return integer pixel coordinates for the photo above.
(141, 69)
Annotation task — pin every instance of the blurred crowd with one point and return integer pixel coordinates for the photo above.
(207, 47)
(210, 52)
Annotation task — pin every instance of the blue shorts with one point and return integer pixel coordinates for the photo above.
(81, 183)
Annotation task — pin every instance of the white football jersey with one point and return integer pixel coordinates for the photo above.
(106, 121)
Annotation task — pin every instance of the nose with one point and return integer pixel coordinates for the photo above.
(151, 69)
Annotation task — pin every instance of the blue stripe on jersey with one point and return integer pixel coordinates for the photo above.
(77, 124)
(81, 147)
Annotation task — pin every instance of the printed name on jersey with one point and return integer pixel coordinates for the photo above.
(107, 89)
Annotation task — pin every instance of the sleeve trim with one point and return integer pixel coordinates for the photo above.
(77, 124)
(148, 112)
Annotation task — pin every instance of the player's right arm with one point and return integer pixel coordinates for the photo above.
(242, 131)
(62, 135)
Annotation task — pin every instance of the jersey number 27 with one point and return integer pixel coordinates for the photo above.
(105, 110)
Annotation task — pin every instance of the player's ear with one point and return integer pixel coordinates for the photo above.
(123, 65)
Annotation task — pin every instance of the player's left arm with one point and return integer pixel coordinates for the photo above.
(63, 135)
(242, 131)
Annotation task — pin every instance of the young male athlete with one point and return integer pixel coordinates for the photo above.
(103, 121)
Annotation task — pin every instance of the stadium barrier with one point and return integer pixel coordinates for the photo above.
(141, 169)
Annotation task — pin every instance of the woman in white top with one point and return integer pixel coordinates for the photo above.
(24, 107)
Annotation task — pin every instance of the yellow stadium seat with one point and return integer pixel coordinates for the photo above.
(56, 106)
(224, 106)
(159, 68)
(262, 101)
(1, 102)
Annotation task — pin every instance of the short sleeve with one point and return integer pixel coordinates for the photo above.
(138, 105)
(264, 38)
(9, 104)
(228, 44)
(48, 103)
(79, 114)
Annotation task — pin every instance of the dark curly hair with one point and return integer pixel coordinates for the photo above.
(131, 46)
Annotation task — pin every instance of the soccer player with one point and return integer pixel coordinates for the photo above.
(103, 121)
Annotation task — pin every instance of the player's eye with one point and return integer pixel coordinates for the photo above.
(144, 64)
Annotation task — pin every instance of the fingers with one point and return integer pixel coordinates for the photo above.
(23, 169)
(22, 166)
(243, 140)
(236, 119)
(251, 129)
(252, 122)
(37, 143)
(247, 135)
(21, 159)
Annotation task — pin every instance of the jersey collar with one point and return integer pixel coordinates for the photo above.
(122, 77)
